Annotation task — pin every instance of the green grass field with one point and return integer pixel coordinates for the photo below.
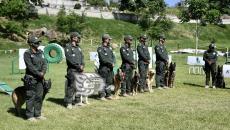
(188, 106)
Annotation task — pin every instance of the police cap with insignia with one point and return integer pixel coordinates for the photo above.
(106, 36)
(128, 37)
(75, 34)
(162, 36)
(212, 46)
(33, 39)
(144, 36)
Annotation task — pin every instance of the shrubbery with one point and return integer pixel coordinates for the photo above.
(68, 23)
(17, 9)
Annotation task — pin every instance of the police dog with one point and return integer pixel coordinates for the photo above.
(220, 83)
(19, 95)
(170, 75)
(150, 80)
(118, 78)
(135, 83)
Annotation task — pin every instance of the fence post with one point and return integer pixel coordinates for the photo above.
(227, 56)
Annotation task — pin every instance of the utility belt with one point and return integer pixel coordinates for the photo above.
(108, 65)
(76, 68)
(29, 81)
(127, 66)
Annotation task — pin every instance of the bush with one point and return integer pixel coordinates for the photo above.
(68, 23)
(17, 9)
(77, 6)
(161, 26)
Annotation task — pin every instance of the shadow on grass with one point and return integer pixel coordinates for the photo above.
(58, 101)
(94, 96)
(197, 85)
(22, 114)
(3, 93)
(194, 85)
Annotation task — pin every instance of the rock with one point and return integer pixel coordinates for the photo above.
(15, 37)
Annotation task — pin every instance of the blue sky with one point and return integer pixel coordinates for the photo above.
(171, 2)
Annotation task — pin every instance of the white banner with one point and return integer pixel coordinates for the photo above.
(21, 62)
(226, 71)
(195, 60)
(21, 59)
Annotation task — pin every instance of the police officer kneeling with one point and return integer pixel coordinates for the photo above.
(210, 57)
(36, 67)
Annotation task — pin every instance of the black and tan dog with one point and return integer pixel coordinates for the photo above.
(118, 78)
(19, 95)
(220, 83)
(170, 75)
(135, 83)
(150, 80)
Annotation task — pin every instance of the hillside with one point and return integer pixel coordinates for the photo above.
(181, 36)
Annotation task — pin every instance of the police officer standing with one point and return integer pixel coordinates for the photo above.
(161, 62)
(143, 62)
(75, 63)
(127, 65)
(210, 57)
(106, 60)
(36, 67)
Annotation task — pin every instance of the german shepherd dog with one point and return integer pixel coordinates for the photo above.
(150, 80)
(220, 83)
(118, 78)
(135, 83)
(19, 95)
(170, 75)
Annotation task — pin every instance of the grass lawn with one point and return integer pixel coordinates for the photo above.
(188, 106)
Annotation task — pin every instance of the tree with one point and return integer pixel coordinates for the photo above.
(96, 2)
(206, 11)
(149, 10)
(17, 9)
(68, 23)
(129, 5)
(161, 26)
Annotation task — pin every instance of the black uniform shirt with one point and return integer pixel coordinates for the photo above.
(161, 53)
(35, 63)
(126, 54)
(210, 56)
(105, 55)
(74, 56)
(143, 53)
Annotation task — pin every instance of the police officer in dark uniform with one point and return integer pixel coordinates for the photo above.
(127, 65)
(161, 62)
(36, 67)
(143, 62)
(210, 57)
(107, 61)
(75, 63)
